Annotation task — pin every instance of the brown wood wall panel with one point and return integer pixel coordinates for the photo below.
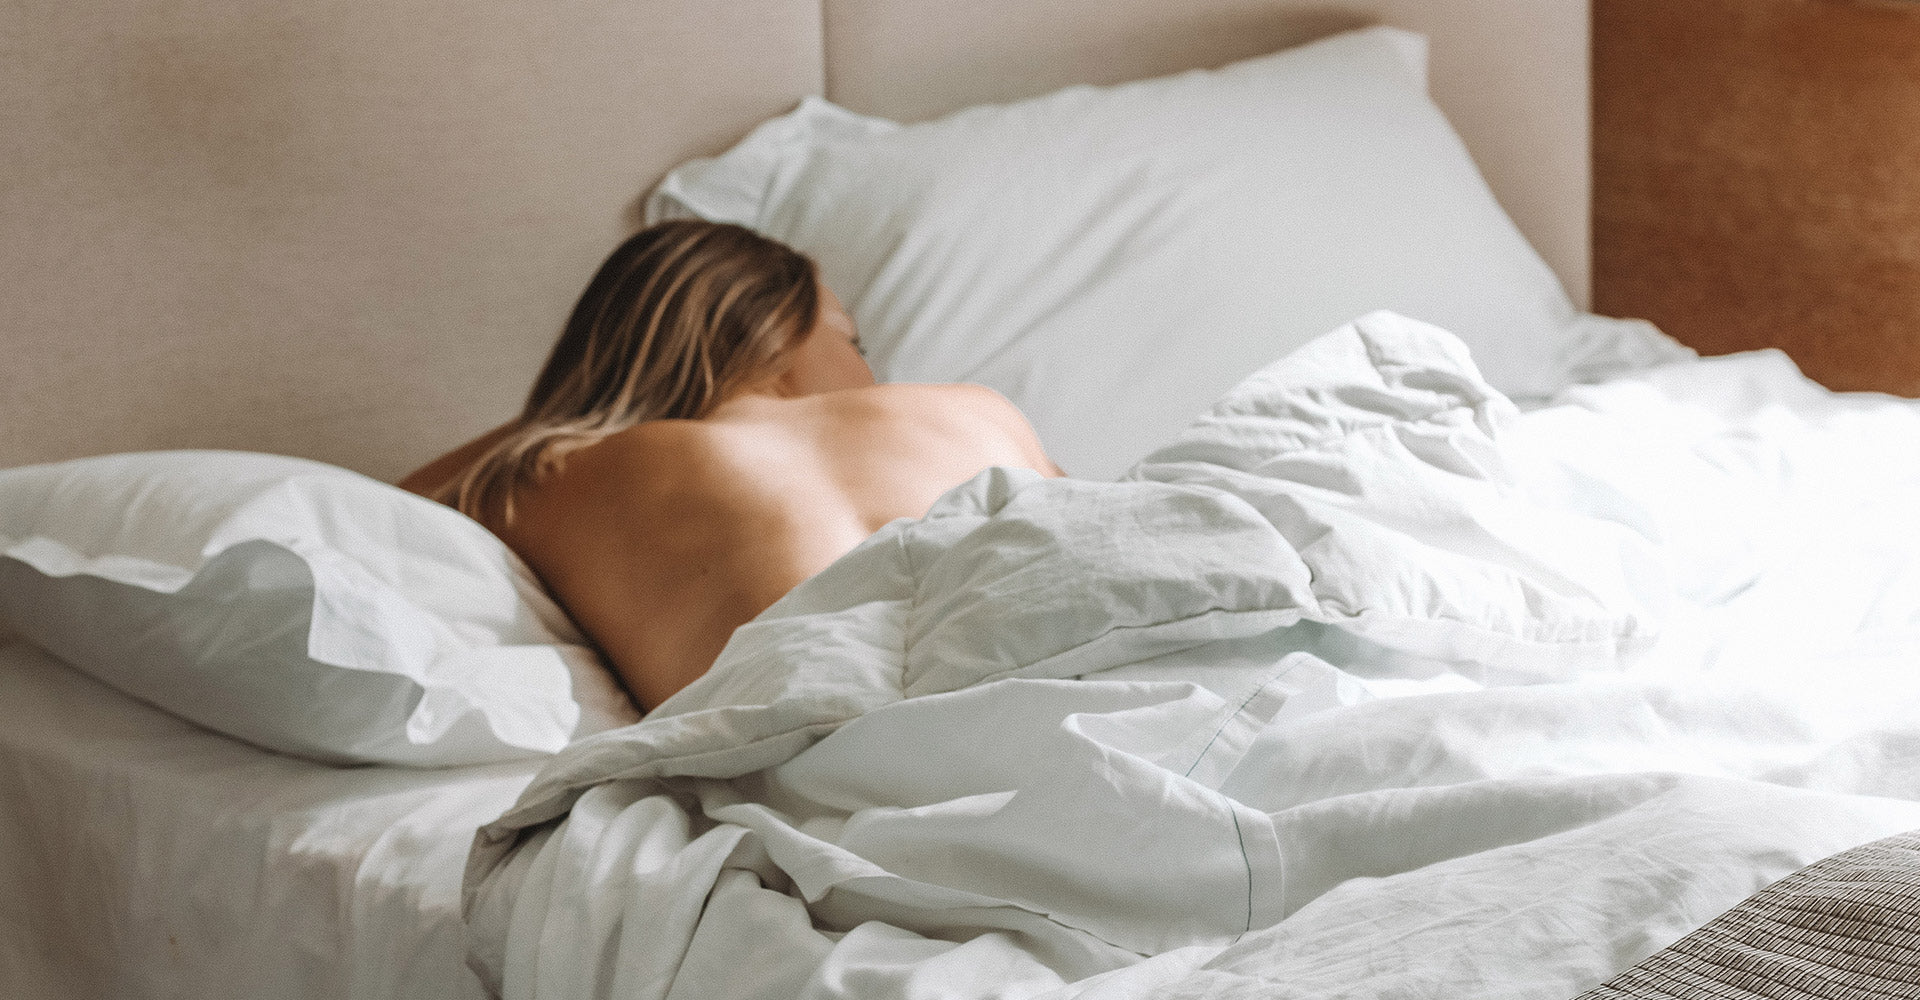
(1757, 178)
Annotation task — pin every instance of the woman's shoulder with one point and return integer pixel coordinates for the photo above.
(650, 462)
(926, 399)
(958, 391)
(959, 411)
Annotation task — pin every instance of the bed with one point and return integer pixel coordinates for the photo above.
(1403, 629)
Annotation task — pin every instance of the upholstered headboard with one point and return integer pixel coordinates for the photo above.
(349, 230)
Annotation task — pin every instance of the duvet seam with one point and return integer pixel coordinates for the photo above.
(912, 612)
(1245, 862)
(1228, 721)
(1142, 626)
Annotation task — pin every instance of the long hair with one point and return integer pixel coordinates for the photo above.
(680, 316)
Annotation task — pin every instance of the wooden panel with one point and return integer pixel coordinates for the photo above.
(1510, 74)
(1757, 178)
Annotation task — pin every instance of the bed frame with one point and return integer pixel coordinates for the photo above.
(349, 230)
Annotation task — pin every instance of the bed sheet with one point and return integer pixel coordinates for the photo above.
(142, 856)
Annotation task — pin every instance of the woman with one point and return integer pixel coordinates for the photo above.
(705, 435)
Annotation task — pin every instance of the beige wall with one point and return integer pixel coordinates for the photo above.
(339, 228)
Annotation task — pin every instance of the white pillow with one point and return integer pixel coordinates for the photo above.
(1112, 259)
(298, 606)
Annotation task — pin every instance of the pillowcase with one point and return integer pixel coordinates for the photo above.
(1112, 259)
(299, 606)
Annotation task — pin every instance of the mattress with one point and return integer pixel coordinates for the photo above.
(142, 856)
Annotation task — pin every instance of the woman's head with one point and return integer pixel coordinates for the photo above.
(681, 317)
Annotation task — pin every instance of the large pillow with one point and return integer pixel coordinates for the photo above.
(1112, 259)
(298, 606)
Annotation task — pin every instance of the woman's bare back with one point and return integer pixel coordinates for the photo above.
(662, 539)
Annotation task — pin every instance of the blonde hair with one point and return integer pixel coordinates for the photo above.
(678, 318)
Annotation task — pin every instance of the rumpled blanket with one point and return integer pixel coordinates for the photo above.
(1368, 685)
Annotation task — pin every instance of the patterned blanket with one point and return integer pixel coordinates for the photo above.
(1846, 927)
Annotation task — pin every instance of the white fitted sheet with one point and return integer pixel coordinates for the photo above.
(142, 856)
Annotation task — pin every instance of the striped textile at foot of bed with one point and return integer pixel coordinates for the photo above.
(1847, 927)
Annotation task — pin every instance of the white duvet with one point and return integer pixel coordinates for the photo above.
(1369, 686)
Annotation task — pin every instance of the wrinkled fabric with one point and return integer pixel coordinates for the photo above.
(1369, 685)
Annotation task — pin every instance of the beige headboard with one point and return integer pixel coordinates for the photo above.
(349, 229)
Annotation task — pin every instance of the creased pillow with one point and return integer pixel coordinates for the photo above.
(298, 606)
(1112, 259)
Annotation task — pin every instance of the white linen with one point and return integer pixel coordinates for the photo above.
(1177, 232)
(142, 856)
(1370, 685)
(297, 605)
